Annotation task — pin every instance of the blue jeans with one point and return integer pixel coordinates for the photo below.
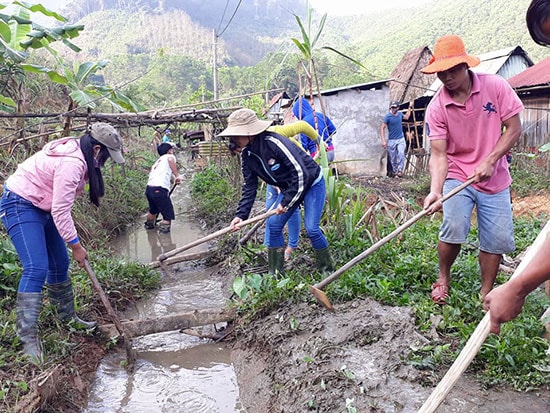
(294, 222)
(494, 218)
(396, 150)
(314, 203)
(41, 249)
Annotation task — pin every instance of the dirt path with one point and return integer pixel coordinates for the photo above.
(303, 359)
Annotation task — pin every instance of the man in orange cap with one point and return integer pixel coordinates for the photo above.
(464, 124)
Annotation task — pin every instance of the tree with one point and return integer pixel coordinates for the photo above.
(18, 34)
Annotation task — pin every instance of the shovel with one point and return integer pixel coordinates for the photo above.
(130, 354)
(316, 289)
(216, 234)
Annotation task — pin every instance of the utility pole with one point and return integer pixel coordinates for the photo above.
(215, 64)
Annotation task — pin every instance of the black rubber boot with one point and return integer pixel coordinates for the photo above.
(28, 310)
(164, 228)
(62, 298)
(324, 260)
(276, 260)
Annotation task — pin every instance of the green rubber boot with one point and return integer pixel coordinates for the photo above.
(324, 260)
(276, 260)
(62, 298)
(28, 310)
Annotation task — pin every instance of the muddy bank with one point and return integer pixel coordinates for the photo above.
(302, 358)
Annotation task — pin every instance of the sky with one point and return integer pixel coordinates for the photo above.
(354, 7)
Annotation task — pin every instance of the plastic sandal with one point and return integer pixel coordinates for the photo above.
(440, 292)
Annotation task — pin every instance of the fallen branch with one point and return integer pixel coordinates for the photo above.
(181, 258)
(182, 321)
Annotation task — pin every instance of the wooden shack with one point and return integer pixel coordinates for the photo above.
(533, 87)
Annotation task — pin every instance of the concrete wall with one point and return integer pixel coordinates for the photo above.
(358, 115)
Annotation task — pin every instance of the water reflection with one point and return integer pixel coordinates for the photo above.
(174, 372)
(196, 379)
(159, 243)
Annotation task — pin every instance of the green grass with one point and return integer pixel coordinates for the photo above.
(400, 273)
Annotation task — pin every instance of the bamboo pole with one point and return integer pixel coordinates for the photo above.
(478, 337)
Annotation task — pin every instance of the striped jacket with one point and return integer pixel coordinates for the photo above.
(279, 162)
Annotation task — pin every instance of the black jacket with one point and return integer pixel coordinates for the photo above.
(279, 162)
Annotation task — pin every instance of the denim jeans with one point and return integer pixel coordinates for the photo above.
(495, 225)
(272, 197)
(396, 149)
(41, 249)
(314, 203)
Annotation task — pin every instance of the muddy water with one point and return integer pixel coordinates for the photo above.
(174, 372)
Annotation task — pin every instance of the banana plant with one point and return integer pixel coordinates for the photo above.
(307, 46)
(83, 92)
(18, 35)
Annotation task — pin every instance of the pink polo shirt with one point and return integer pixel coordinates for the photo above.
(473, 129)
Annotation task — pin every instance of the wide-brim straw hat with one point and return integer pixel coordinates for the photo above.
(244, 122)
(449, 51)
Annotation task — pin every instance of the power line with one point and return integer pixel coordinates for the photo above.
(223, 15)
(231, 19)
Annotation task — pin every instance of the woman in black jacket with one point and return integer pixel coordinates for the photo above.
(279, 162)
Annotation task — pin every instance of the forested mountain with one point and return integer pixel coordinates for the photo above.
(168, 44)
(249, 29)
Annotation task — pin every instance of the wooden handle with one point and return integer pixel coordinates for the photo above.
(216, 234)
(320, 285)
(103, 297)
(477, 338)
(257, 225)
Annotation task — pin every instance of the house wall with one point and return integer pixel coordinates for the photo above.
(535, 123)
(357, 115)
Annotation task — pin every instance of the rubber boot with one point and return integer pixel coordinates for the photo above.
(62, 298)
(164, 228)
(324, 260)
(28, 310)
(150, 224)
(276, 260)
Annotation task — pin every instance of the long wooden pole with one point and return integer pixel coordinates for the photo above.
(216, 234)
(478, 337)
(316, 289)
(130, 354)
(170, 322)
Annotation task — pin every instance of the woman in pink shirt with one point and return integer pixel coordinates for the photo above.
(36, 210)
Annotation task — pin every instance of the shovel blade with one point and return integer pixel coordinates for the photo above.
(321, 297)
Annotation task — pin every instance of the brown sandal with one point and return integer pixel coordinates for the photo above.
(440, 292)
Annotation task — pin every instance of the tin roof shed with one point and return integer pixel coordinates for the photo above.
(535, 76)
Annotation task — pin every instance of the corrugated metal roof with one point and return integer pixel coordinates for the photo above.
(505, 62)
(361, 86)
(536, 75)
